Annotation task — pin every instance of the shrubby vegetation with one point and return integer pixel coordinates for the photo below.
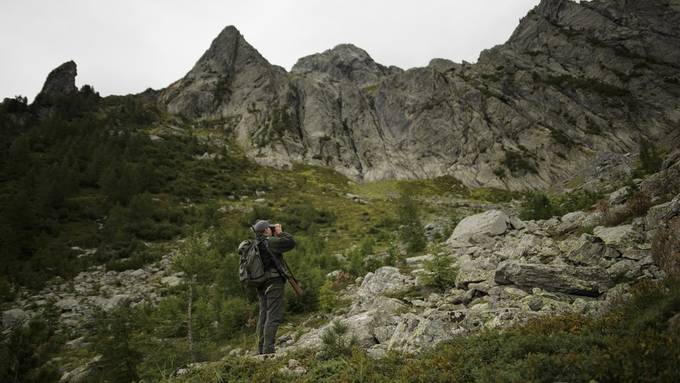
(336, 342)
(541, 206)
(649, 160)
(548, 349)
(409, 218)
(441, 272)
(88, 175)
(666, 247)
(26, 350)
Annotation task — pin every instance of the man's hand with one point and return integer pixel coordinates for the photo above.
(277, 229)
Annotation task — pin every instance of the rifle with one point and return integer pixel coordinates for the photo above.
(286, 273)
(292, 280)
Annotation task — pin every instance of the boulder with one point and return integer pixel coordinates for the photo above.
(433, 229)
(571, 221)
(118, 300)
(384, 280)
(588, 281)
(661, 214)
(624, 270)
(471, 271)
(171, 281)
(14, 317)
(618, 236)
(618, 197)
(492, 222)
(529, 245)
(591, 250)
(67, 304)
(414, 332)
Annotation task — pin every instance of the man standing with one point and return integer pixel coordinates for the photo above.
(272, 243)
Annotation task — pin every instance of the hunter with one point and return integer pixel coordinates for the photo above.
(272, 242)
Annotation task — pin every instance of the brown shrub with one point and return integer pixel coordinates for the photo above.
(638, 204)
(666, 247)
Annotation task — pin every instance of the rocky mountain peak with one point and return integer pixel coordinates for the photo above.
(343, 62)
(224, 73)
(228, 52)
(577, 84)
(61, 80)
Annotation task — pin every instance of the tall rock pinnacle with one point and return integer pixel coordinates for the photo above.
(229, 66)
(61, 80)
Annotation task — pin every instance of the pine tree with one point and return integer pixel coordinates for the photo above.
(650, 160)
(409, 217)
(113, 340)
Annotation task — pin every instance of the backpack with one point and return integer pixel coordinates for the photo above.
(250, 269)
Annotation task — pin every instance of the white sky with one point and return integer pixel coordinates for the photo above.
(126, 46)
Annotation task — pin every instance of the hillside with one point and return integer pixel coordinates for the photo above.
(516, 219)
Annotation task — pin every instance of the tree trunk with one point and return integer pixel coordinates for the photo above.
(190, 335)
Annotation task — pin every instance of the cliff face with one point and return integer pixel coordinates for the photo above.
(576, 83)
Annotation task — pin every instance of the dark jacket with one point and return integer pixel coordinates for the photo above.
(272, 249)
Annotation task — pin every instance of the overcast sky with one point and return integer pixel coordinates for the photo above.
(126, 46)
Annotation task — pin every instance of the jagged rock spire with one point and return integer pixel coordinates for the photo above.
(61, 80)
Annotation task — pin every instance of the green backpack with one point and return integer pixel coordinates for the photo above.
(250, 269)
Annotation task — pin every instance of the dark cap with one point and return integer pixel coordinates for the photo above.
(260, 226)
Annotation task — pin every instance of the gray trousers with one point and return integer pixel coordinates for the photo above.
(270, 296)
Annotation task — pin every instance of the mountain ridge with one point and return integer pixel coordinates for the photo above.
(576, 86)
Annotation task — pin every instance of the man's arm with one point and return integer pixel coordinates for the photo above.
(282, 243)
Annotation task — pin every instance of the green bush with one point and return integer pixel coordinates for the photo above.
(649, 160)
(305, 217)
(311, 280)
(113, 340)
(537, 206)
(441, 272)
(336, 342)
(666, 248)
(540, 206)
(6, 290)
(310, 262)
(25, 352)
(235, 313)
(357, 265)
(518, 163)
(329, 300)
(576, 200)
(408, 212)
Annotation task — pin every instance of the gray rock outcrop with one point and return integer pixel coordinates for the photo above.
(573, 91)
(522, 271)
(60, 81)
(589, 281)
